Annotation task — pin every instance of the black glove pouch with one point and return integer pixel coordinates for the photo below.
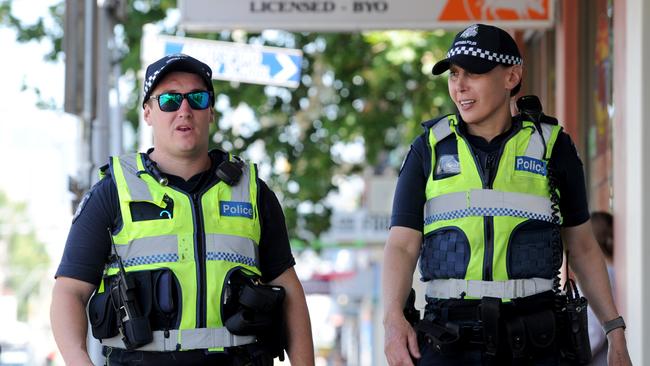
(102, 316)
(260, 304)
(251, 308)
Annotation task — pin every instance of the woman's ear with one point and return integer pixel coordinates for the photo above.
(513, 77)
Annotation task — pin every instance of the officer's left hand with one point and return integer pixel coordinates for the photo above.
(617, 350)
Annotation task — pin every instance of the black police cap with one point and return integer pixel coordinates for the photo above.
(175, 62)
(479, 48)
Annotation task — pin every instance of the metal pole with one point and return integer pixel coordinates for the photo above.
(85, 157)
(100, 131)
(116, 115)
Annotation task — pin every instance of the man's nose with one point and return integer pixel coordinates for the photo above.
(185, 107)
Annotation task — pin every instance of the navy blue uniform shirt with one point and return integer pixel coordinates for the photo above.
(408, 203)
(88, 245)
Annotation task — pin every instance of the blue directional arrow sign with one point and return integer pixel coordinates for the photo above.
(238, 61)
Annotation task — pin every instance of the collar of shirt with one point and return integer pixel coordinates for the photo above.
(200, 180)
(482, 144)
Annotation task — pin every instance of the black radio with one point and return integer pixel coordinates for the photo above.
(134, 327)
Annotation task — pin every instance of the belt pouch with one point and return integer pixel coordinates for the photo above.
(102, 315)
(516, 330)
(445, 339)
(541, 329)
(489, 312)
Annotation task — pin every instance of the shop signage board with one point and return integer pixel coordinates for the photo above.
(357, 15)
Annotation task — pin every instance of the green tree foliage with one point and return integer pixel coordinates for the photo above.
(23, 259)
(369, 89)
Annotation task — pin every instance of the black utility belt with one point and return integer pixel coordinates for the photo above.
(142, 310)
(488, 322)
(525, 327)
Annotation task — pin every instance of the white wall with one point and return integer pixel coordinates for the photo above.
(631, 193)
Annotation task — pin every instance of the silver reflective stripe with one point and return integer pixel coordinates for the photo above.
(231, 248)
(536, 145)
(138, 188)
(547, 130)
(241, 190)
(202, 338)
(441, 129)
(509, 203)
(487, 202)
(446, 203)
(148, 250)
(511, 289)
(212, 338)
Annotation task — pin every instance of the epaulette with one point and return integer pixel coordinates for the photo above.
(432, 122)
(542, 119)
(104, 171)
(549, 120)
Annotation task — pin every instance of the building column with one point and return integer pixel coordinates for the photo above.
(632, 172)
(568, 81)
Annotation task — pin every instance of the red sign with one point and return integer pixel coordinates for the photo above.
(496, 10)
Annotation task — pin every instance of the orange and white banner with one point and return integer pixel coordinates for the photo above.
(528, 12)
(357, 15)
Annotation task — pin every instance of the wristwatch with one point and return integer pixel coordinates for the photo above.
(613, 324)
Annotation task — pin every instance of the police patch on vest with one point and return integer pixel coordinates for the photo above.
(232, 208)
(529, 164)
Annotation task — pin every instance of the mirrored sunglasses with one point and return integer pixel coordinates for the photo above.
(171, 102)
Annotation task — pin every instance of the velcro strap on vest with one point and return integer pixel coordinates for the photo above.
(202, 338)
(511, 289)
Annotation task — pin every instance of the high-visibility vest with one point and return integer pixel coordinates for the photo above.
(205, 237)
(491, 231)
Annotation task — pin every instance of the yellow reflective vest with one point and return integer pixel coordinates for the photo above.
(201, 240)
(476, 229)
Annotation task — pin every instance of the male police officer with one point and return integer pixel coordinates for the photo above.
(195, 231)
(475, 202)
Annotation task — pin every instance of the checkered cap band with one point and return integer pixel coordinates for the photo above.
(150, 80)
(485, 54)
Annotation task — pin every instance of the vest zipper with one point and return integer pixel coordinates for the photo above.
(488, 222)
(488, 246)
(487, 178)
(199, 256)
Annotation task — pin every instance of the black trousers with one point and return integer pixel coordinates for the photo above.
(475, 356)
(119, 357)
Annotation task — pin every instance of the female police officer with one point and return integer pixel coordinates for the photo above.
(475, 203)
(184, 222)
